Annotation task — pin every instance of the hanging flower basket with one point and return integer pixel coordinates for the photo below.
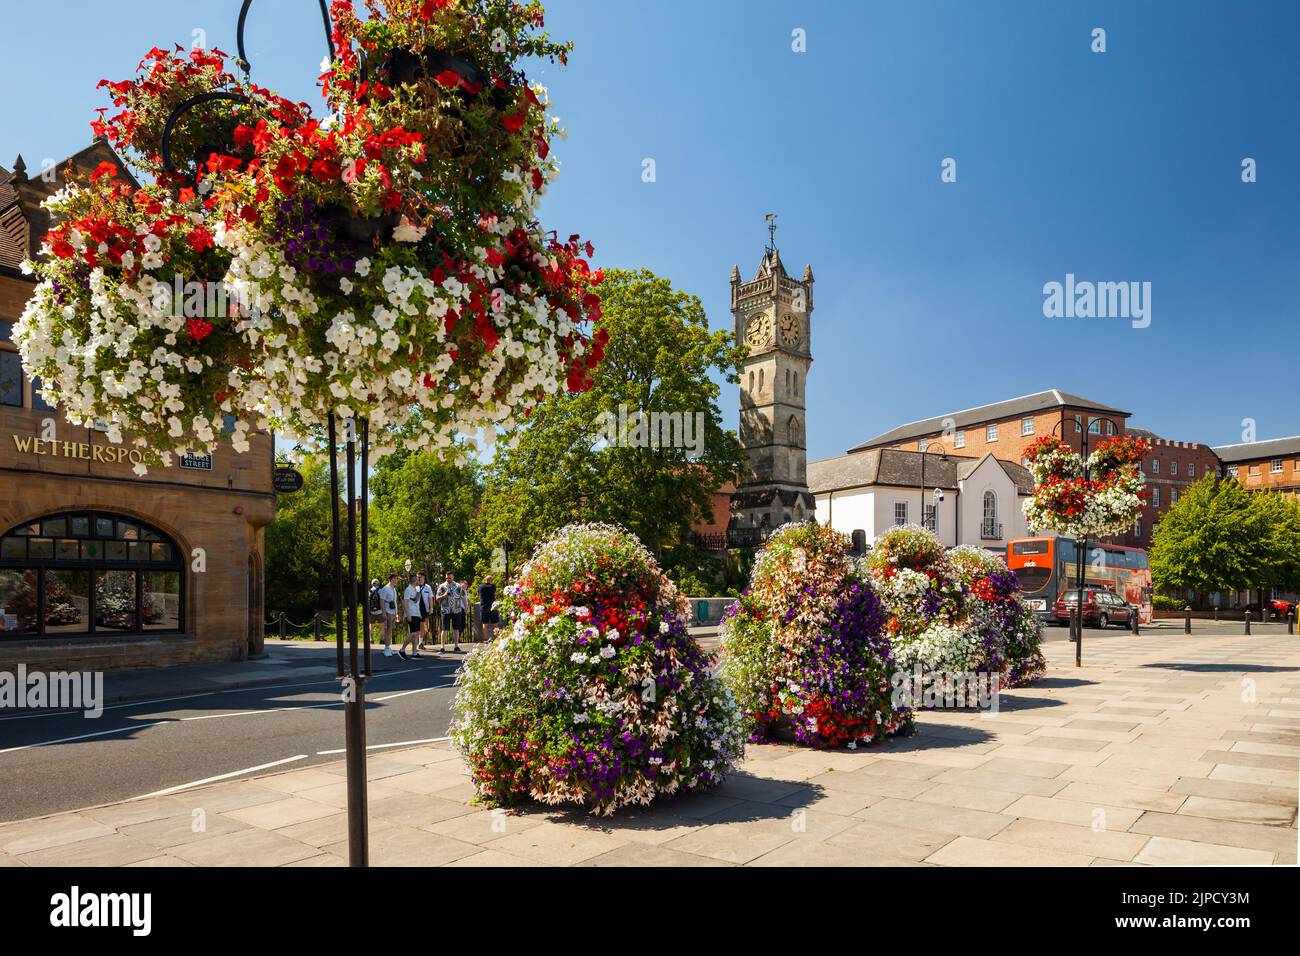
(387, 261)
(1106, 502)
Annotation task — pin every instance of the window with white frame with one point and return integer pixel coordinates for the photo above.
(1173, 468)
(1078, 423)
(1191, 469)
(1110, 427)
(1155, 466)
(991, 433)
(959, 440)
(1173, 497)
(1276, 466)
(1026, 426)
(989, 528)
(923, 444)
(1155, 497)
(1137, 529)
(1232, 470)
(900, 512)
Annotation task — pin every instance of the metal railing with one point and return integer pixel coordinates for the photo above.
(991, 531)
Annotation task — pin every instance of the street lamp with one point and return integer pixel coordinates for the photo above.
(938, 495)
(1076, 618)
(506, 546)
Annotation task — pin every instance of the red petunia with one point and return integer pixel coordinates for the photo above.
(200, 239)
(449, 79)
(513, 123)
(199, 329)
(104, 169)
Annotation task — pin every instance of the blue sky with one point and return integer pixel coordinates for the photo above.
(1115, 166)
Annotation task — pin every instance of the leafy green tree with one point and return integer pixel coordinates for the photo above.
(576, 461)
(1221, 537)
(298, 573)
(423, 509)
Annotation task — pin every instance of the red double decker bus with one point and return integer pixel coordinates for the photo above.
(1048, 566)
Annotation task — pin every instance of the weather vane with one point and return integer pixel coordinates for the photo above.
(771, 232)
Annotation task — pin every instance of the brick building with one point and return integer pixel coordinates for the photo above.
(99, 568)
(1170, 468)
(1272, 465)
(1005, 429)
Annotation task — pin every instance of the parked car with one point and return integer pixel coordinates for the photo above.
(1101, 608)
(1276, 608)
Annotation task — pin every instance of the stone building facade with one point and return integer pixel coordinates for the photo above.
(773, 314)
(101, 568)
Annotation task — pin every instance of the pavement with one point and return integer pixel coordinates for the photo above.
(1161, 750)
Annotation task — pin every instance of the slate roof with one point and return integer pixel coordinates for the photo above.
(1025, 405)
(889, 466)
(1255, 450)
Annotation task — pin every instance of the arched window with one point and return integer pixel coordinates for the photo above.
(990, 529)
(92, 572)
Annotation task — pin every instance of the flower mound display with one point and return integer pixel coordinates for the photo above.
(383, 262)
(925, 599)
(804, 650)
(957, 611)
(1107, 502)
(594, 693)
(1010, 634)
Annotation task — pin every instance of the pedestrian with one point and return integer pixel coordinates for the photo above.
(374, 610)
(388, 612)
(448, 598)
(426, 611)
(411, 598)
(487, 609)
(462, 609)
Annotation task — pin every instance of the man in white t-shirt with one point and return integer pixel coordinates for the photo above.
(426, 613)
(411, 598)
(388, 612)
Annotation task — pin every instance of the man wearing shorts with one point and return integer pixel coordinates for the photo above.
(449, 603)
(411, 598)
(388, 612)
(426, 612)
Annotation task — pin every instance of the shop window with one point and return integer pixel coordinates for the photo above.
(11, 379)
(89, 573)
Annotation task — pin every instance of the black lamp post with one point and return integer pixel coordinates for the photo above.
(943, 456)
(354, 668)
(1076, 618)
(506, 546)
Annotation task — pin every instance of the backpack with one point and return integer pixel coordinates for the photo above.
(375, 604)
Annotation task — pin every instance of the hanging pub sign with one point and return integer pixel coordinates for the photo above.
(286, 480)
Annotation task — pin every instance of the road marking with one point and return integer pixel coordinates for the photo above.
(98, 733)
(405, 672)
(400, 743)
(223, 776)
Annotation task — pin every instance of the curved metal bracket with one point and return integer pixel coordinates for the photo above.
(184, 107)
(243, 18)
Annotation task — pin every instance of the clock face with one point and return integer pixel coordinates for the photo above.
(789, 330)
(759, 330)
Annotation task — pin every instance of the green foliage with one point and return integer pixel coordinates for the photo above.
(298, 545)
(1221, 537)
(661, 357)
(1163, 602)
(423, 509)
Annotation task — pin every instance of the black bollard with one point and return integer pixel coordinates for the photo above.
(1248, 620)
(1187, 619)
(281, 627)
(1133, 623)
(317, 627)
(1290, 621)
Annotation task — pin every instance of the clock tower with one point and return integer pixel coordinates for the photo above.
(772, 313)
